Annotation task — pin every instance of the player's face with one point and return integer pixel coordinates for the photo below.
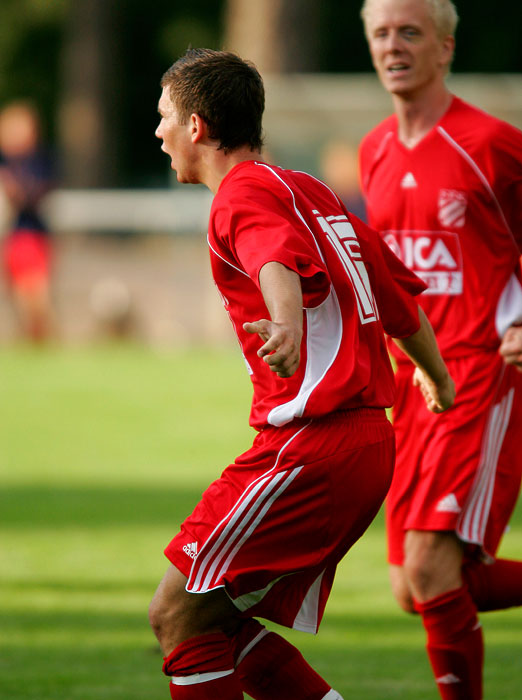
(177, 140)
(406, 51)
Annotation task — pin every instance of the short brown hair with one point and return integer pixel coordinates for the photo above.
(226, 91)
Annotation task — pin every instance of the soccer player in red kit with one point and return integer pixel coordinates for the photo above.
(309, 290)
(443, 186)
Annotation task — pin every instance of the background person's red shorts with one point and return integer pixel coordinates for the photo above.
(273, 528)
(27, 257)
(459, 470)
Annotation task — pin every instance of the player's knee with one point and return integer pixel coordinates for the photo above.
(419, 573)
(432, 563)
(404, 599)
(155, 616)
(400, 588)
(405, 602)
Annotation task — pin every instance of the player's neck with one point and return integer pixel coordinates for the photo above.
(418, 115)
(219, 164)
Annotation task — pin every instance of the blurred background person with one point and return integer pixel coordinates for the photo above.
(339, 169)
(26, 175)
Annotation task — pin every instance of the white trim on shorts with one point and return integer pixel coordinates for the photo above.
(239, 524)
(200, 677)
(472, 522)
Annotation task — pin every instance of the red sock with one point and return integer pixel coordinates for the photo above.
(454, 644)
(202, 668)
(494, 586)
(270, 668)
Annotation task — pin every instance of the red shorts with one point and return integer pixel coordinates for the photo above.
(459, 470)
(27, 257)
(273, 528)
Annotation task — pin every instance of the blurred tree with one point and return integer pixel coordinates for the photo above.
(91, 98)
(279, 36)
(152, 41)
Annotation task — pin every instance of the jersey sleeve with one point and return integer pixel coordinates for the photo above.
(394, 285)
(259, 227)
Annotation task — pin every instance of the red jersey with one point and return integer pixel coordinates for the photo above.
(451, 209)
(353, 287)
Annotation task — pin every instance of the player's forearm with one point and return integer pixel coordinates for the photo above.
(281, 289)
(423, 351)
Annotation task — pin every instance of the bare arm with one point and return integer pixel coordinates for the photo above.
(282, 333)
(431, 374)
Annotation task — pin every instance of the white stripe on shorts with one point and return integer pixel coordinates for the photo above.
(200, 677)
(239, 524)
(473, 520)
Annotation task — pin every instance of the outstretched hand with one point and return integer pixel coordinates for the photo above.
(438, 396)
(281, 349)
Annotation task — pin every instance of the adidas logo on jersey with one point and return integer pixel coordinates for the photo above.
(448, 679)
(448, 504)
(408, 181)
(191, 550)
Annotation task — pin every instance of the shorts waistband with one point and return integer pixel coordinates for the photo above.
(364, 413)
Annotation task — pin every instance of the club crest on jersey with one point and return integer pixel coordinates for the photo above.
(452, 208)
(434, 256)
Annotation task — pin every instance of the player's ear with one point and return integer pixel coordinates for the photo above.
(198, 127)
(447, 50)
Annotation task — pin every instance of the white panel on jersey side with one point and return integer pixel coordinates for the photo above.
(509, 307)
(324, 333)
(306, 619)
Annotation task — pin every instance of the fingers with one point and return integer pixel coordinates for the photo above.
(280, 352)
(511, 347)
(438, 397)
(281, 356)
(260, 327)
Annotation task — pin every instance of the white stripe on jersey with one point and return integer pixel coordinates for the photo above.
(298, 213)
(473, 520)
(224, 259)
(481, 177)
(237, 526)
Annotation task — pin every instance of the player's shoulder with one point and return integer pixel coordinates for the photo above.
(374, 138)
(375, 144)
(469, 124)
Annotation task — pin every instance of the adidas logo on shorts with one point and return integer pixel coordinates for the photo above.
(448, 504)
(448, 679)
(191, 550)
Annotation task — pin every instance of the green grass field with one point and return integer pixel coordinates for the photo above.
(102, 453)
